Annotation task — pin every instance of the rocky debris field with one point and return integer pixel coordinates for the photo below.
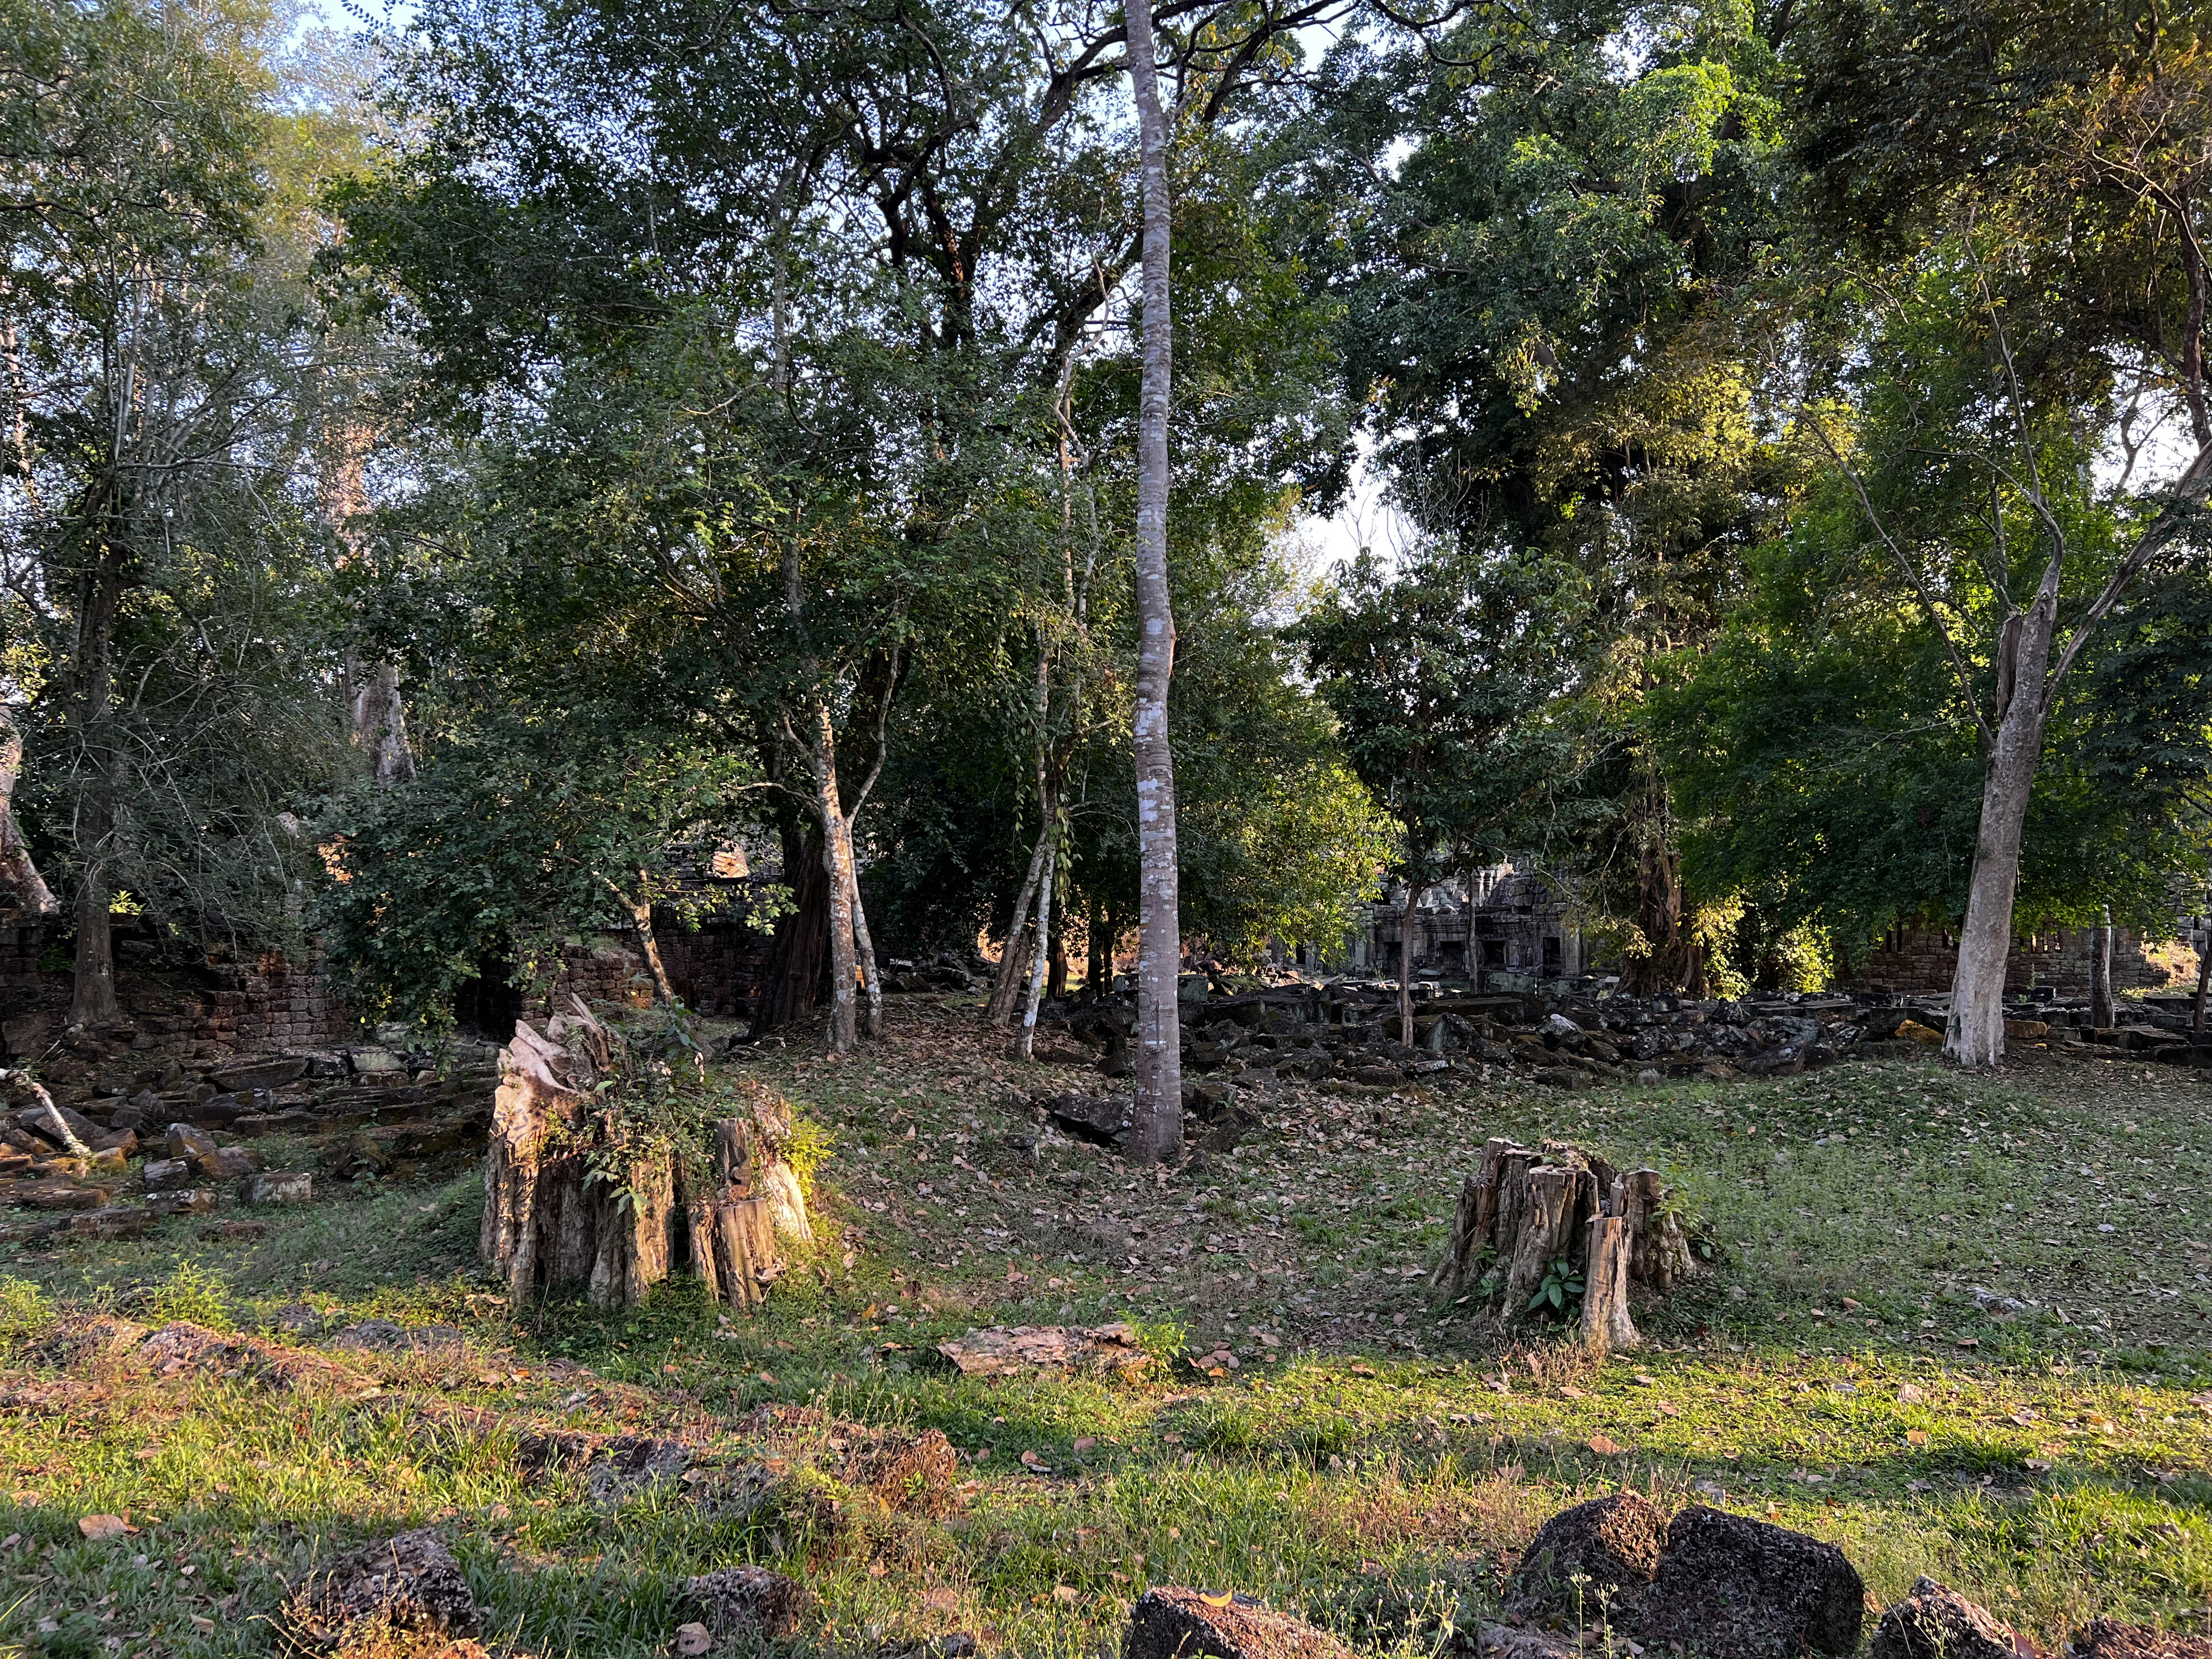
(110, 1146)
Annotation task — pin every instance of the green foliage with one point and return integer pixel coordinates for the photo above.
(26, 1313)
(1562, 1286)
(189, 1292)
(511, 840)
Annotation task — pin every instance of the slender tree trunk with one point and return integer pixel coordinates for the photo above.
(1014, 958)
(1413, 891)
(640, 915)
(2100, 972)
(1056, 985)
(23, 891)
(864, 946)
(1975, 1035)
(2204, 978)
(1097, 959)
(837, 864)
(1037, 952)
(92, 1001)
(1157, 1131)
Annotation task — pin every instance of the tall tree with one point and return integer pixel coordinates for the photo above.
(2048, 164)
(1157, 1134)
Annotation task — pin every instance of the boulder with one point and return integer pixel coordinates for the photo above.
(409, 1583)
(1100, 1119)
(745, 1601)
(1001, 1351)
(2108, 1638)
(191, 1200)
(253, 1074)
(229, 1164)
(1184, 1623)
(1733, 1587)
(1612, 1545)
(1936, 1623)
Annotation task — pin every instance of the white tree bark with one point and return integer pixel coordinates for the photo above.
(1157, 1130)
(2100, 971)
(1039, 951)
(23, 891)
(1413, 891)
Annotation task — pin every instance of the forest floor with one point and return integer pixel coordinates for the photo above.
(1958, 1326)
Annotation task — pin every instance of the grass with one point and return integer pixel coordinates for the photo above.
(1958, 1326)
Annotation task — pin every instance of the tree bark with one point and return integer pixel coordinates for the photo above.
(380, 720)
(1097, 956)
(640, 915)
(2204, 977)
(791, 987)
(92, 1002)
(837, 863)
(1605, 1324)
(1155, 1133)
(864, 945)
(1414, 890)
(2100, 971)
(23, 892)
(1038, 952)
(1975, 1032)
(1014, 955)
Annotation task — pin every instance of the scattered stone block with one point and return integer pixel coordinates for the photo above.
(1102, 1119)
(409, 1583)
(192, 1200)
(1001, 1351)
(188, 1141)
(257, 1074)
(1927, 1035)
(162, 1174)
(287, 1186)
(1182, 1623)
(1733, 1587)
(123, 1141)
(745, 1601)
(1612, 1546)
(60, 1195)
(1936, 1623)
(229, 1164)
(113, 1221)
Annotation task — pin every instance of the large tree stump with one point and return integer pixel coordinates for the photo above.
(1523, 1209)
(546, 1223)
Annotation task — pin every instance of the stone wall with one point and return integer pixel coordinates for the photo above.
(1923, 959)
(276, 1003)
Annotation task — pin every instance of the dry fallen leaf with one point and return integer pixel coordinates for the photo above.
(97, 1527)
(691, 1639)
(1916, 1436)
(1220, 1601)
(1065, 1593)
(1083, 1442)
(1603, 1447)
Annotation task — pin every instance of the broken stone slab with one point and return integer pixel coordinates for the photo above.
(999, 1350)
(283, 1186)
(1591, 1563)
(191, 1200)
(2110, 1638)
(1934, 1622)
(1734, 1588)
(113, 1221)
(1175, 1623)
(188, 1141)
(411, 1583)
(228, 1164)
(1101, 1119)
(60, 1195)
(70, 1131)
(253, 1074)
(735, 1603)
(375, 1062)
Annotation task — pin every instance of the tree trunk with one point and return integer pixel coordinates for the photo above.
(1098, 955)
(864, 946)
(380, 720)
(92, 1002)
(1156, 1132)
(1055, 985)
(2204, 977)
(1038, 952)
(1546, 1231)
(640, 915)
(837, 864)
(791, 987)
(1975, 1033)
(1014, 957)
(24, 895)
(2100, 972)
(1414, 890)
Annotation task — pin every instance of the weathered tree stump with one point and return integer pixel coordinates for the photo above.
(1523, 1209)
(548, 1222)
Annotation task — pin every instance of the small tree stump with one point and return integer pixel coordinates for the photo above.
(1523, 1209)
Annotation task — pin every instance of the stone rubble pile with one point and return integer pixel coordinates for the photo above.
(122, 1144)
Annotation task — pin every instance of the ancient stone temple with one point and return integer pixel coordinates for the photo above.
(1502, 923)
